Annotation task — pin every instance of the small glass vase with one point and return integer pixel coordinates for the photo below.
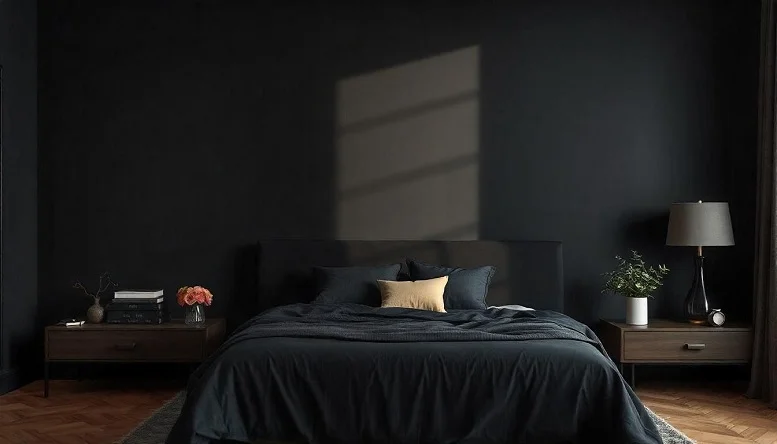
(195, 314)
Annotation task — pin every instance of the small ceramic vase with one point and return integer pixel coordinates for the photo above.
(636, 311)
(95, 313)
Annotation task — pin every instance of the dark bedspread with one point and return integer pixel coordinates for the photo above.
(323, 373)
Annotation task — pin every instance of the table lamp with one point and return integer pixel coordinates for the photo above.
(699, 224)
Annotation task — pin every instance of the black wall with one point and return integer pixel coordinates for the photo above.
(172, 137)
(19, 190)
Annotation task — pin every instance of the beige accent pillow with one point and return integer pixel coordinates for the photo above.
(423, 295)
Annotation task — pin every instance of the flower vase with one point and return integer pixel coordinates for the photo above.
(95, 313)
(195, 314)
(636, 311)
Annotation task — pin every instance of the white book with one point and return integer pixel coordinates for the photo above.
(138, 294)
(137, 301)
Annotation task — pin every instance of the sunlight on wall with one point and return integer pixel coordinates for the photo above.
(407, 140)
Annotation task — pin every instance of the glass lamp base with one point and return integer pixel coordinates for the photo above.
(696, 306)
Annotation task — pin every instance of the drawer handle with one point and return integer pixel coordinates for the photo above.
(695, 346)
(125, 347)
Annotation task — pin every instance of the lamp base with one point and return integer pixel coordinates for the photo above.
(696, 306)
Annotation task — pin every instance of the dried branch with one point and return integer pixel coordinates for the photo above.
(103, 284)
(79, 285)
(109, 283)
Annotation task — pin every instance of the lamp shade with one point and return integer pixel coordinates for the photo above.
(700, 224)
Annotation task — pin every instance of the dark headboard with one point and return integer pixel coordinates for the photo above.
(527, 273)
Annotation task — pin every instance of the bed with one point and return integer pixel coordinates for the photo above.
(352, 373)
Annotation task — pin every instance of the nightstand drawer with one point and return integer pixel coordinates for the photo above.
(710, 346)
(125, 345)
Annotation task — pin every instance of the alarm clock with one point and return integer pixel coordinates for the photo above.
(716, 318)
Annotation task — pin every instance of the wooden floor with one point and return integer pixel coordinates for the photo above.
(712, 413)
(76, 412)
(91, 413)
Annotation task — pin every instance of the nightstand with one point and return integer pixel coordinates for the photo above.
(676, 342)
(168, 342)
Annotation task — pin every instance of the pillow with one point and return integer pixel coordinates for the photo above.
(356, 285)
(467, 287)
(512, 307)
(422, 295)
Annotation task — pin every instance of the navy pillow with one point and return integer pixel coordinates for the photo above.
(467, 287)
(355, 285)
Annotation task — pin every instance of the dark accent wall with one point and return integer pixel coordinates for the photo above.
(18, 292)
(171, 137)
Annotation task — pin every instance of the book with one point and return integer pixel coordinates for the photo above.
(135, 317)
(138, 300)
(71, 322)
(134, 321)
(138, 294)
(138, 313)
(120, 306)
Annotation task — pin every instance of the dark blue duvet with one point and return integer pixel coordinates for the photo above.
(322, 373)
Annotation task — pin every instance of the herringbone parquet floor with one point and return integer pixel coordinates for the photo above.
(76, 412)
(713, 413)
(92, 413)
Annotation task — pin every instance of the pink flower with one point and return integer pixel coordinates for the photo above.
(180, 295)
(188, 298)
(199, 294)
(194, 295)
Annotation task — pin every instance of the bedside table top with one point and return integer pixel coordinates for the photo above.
(670, 325)
(174, 325)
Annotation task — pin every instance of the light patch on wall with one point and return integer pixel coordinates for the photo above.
(407, 150)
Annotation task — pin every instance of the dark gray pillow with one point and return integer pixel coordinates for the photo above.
(467, 287)
(355, 285)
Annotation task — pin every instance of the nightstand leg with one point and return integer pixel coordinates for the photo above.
(633, 372)
(46, 379)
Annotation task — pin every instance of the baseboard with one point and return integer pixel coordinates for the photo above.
(10, 380)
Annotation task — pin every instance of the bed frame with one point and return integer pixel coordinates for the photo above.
(527, 272)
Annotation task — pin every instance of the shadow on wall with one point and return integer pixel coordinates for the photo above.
(407, 143)
(407, 163)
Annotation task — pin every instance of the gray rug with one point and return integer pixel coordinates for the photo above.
(154, 430)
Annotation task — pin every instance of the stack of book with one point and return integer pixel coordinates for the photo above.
(137, 307)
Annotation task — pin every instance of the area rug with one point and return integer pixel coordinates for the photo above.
(154, 430)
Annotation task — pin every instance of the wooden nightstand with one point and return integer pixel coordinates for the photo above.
(676, 342)
(169, 342)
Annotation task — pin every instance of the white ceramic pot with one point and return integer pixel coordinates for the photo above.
(637, 311)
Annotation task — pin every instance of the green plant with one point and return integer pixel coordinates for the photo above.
(631, 278)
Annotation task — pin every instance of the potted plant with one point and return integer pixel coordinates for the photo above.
(194, 299)
(637, 282)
